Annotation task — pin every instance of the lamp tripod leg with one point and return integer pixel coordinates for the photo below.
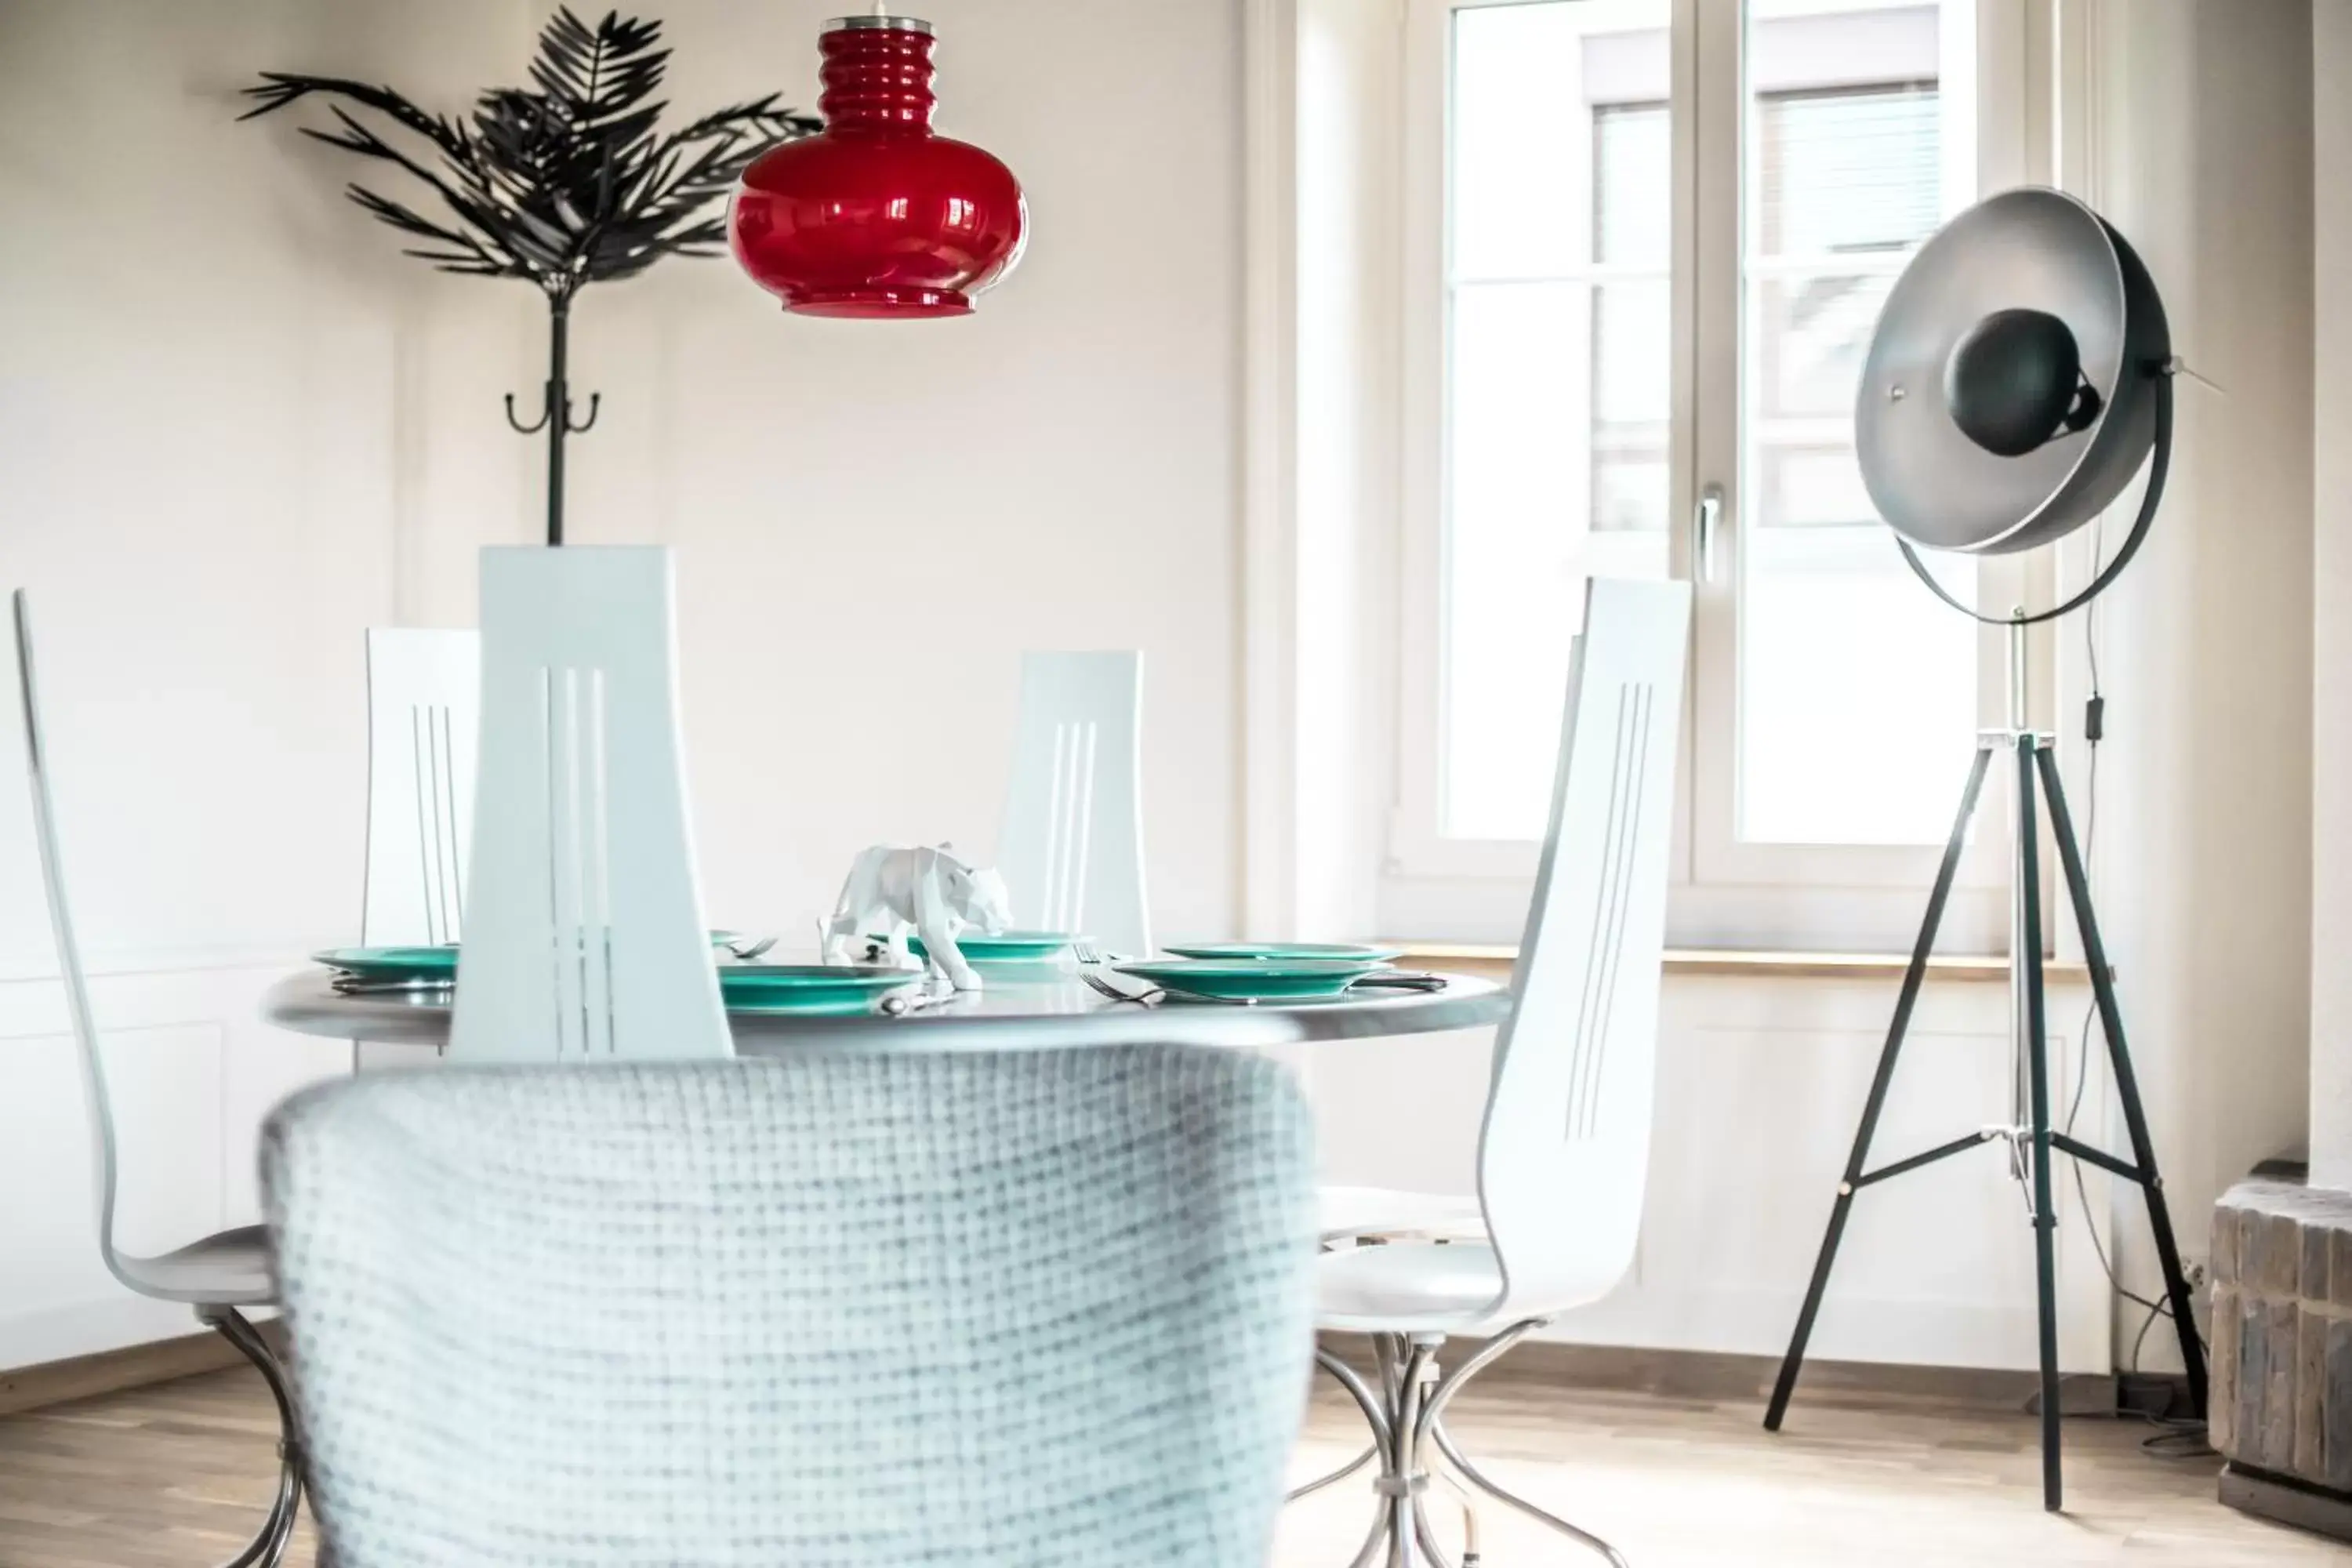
(2037, 1054)
(2111, 1024)
(1913, 978)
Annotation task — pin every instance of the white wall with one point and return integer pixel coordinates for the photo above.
(2201, 130)
(237, 428)
(2331, 578)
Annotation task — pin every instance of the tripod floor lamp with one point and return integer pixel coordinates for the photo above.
(2019, 375)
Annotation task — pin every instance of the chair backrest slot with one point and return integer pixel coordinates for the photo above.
(1613, 904)
(424, 707)
(1071, 846)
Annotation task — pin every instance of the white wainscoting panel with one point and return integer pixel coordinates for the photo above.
(1762, 1081)
(193, 1071)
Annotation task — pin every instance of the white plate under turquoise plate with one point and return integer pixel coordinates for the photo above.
(1006, 946)
(1287, 952)
(808, 987)
(1249, 979)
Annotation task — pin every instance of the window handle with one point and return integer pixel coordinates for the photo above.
(1705, 521)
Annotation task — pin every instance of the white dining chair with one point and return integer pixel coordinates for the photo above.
(425, 695)
(220, 1276)
(1564, 1148)
(584, 935)
(1071, 844)
(834, 1309)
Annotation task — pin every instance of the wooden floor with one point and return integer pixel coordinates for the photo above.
(177, 1474)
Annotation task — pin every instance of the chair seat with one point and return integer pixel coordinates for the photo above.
(1389, 1211)
(1409, 1287)
(230, 1270)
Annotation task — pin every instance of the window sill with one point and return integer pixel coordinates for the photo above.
(1496, 960)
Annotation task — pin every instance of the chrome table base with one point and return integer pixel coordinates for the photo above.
(1406, 1413)
(269, 1547)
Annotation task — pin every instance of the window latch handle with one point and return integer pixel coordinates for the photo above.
(1705, 521)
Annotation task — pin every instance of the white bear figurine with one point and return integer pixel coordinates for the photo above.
(929, 890)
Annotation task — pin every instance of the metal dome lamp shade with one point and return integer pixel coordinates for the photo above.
(879, 217)
(2019, 378)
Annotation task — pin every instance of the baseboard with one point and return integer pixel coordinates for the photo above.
(1537, 1363)
(1719, 1375)
(110, 1372)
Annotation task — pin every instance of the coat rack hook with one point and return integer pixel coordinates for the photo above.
(530, 429)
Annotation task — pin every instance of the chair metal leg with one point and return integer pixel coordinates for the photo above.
(1371, 1451)
(1427, 1538)
(1431, 1425)
(1451, 1478)
(1400, 1482)
(1370, 1554)
(269, 1547)
(1405, 1414)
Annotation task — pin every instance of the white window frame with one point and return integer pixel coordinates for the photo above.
(1726, 892)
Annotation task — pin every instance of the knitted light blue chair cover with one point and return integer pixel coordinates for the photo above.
(1032, 1307)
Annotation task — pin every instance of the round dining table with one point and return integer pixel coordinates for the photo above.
(1052, 1013)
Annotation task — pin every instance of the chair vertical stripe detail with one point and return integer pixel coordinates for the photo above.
(1604, 962)
(1070, 825)
(433, 753)
(578, 861)
(423, 695)
(1071, 843)
(1046, 900)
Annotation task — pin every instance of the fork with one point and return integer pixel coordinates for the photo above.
(744, 953)
(1157, 995)
(1150, 998)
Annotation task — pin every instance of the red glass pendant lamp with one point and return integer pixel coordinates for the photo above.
(878, 217)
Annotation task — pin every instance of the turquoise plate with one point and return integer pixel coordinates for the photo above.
(808, 987)
(391, 962)
(1006, 946)
(1249, 979)
(1290, 951)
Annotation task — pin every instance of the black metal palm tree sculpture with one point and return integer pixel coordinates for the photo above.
(563, 183)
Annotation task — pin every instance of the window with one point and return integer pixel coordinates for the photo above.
(1647, 244)
(1844, 182)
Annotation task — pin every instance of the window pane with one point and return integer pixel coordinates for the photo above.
(1515, 557)
(1557, 395)
(1857, 691)
(1515, 184)
(1631, 161)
